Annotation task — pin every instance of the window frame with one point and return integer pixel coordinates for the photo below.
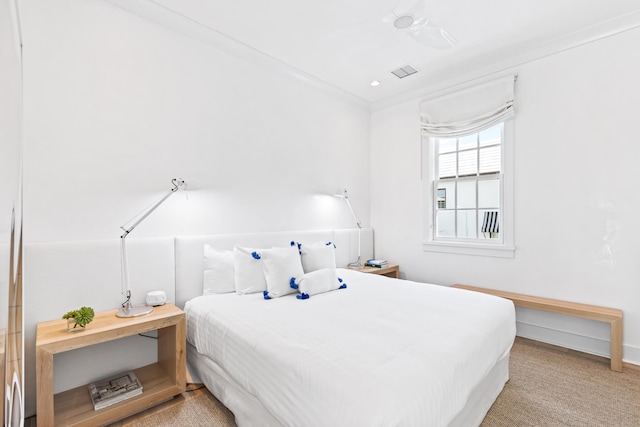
(504, 248)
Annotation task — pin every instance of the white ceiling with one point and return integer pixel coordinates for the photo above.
(346, 43)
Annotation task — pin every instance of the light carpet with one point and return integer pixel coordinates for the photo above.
(551, 386)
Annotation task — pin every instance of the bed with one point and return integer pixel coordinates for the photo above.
(377, 352)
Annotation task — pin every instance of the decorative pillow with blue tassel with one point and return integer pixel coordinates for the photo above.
(248, 275)
(317, 282)
(279, 265)
(317, 256)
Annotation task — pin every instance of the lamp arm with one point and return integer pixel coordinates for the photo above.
(353, 213)
(124, 269)
(358, 262)
(177, 183)
(124, 265)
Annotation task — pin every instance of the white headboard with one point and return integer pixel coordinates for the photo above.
(189, 251)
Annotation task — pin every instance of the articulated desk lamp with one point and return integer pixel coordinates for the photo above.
(128, 310)
(345, 196)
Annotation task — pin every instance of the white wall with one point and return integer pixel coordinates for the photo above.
(576, 201)
(116, 106)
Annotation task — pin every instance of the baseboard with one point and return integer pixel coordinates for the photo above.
(631, 355)
(564, 338)
(576, 341)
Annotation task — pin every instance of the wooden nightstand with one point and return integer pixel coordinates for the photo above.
(160, 381)
(392, 270)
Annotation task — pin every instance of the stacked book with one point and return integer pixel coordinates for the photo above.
(378, 263)
(114, 389)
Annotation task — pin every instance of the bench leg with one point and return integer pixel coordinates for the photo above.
(616, 345)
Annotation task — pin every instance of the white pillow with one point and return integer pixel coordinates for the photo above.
(317, 282)
(317, 256)
(279, 266)
(218, 271)
(249, 277)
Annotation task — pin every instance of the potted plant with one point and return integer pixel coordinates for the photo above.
(79, 318)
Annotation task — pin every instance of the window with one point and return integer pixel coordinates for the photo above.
(469, 169)
(469, 193)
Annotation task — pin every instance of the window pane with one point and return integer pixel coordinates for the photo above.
(447, 145)
(490, 136)
(490, 159)
(445, 195)
(468, 163)
(489, 224)
(446, 224)
(467, 142)
(489, 193)
(467, 194)
(467, 224)
(447, 165)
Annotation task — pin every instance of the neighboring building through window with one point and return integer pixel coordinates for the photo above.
(467, 185)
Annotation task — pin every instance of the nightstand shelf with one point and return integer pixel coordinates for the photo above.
(161, 381)
(392, 270)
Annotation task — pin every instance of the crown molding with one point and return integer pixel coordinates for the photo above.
(482, 67)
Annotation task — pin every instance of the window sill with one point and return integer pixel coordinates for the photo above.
(478, 249)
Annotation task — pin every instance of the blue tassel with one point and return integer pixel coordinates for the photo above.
(255, 255)
(339, 280)
(344, 286)
(329, 244)
(266, 295)
(302, 296)
(292, 283)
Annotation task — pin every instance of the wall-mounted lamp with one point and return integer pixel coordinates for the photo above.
(344, 195)
(128, 310)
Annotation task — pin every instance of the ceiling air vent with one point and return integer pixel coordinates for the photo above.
(403, 72)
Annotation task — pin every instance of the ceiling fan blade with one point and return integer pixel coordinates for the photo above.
(389, 17)
(433, 35)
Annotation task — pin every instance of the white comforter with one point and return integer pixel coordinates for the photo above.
(382, 352)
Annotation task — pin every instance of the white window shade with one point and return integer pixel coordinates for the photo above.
(470, 110)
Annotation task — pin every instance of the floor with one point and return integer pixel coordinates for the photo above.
(195, 390)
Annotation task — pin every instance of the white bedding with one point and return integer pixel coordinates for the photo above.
(383, 352)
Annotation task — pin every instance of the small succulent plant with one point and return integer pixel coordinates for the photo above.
(83, 316)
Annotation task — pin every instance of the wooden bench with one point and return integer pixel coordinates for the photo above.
(603, 314)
